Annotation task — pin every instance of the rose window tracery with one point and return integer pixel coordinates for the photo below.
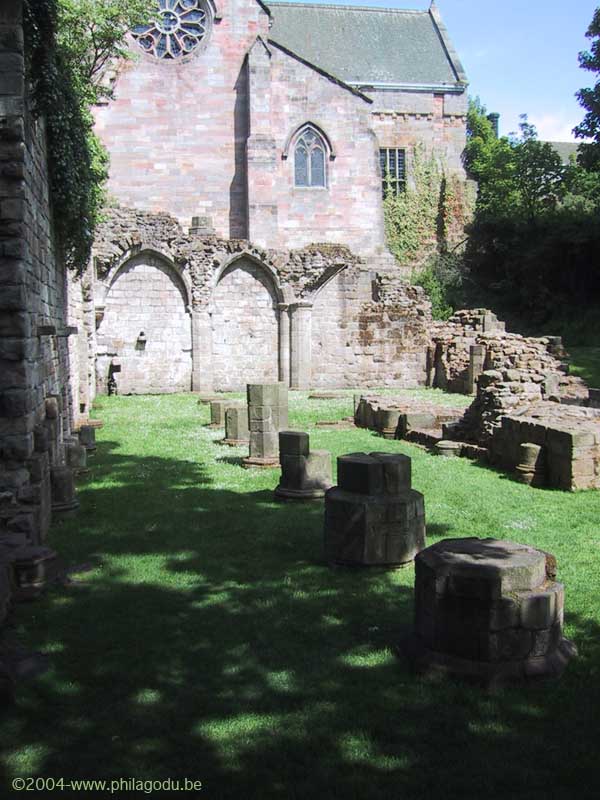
(177, 29)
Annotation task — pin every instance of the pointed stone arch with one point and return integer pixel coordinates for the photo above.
(245, 310)
(144, 334)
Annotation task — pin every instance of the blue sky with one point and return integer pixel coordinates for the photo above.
(520, 56)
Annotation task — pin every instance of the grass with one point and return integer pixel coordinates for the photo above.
(585, 362)
(210, 641)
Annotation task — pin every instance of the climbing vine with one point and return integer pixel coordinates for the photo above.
(425, 225)
(68, 46)
(77, 162)
(429, 214)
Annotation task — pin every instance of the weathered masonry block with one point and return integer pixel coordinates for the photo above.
(489, 611)
(218, 410)
(267, 415)
(550, 445)
(305, 473)
(373, 517)
(236, 426)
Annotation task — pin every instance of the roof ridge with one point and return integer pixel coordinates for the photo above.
(347, 7)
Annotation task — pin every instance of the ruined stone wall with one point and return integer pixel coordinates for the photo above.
(38, 385)
(362, 339)
(474, 340)
(315, 316)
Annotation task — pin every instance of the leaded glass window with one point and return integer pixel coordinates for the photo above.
(309, 159)
(177, 28)
(393, 169)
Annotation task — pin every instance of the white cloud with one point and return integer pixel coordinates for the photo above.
(557, 127)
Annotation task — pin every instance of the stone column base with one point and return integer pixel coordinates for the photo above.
(234, 442)
(281, 493)
(435, 665)
(260, 463)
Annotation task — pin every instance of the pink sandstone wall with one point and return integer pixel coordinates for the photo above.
(349, 209)
(176, 131)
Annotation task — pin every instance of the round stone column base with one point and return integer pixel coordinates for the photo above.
(281, 493)
(260, 463)
(65, 508)
(439, 666)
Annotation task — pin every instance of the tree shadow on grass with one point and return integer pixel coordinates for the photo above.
(214, 644)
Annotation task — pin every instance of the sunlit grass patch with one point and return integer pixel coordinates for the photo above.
(206, 637)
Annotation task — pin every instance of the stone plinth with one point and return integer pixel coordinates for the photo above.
(87, 437)
(488, 610)
(305, 474)
(267, 415)
(218, 409)
(386, 421)
(64, 499)
(531, 468)
(76, 456)
(33, 566)
(205, 399)
(447, 448)
(326, 395)
(373, 517)
(236, 426)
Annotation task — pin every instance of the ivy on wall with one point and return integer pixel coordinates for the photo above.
(77, 162)
(430, 215)
(425, 224)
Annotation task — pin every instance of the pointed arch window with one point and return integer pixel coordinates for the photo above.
(310, 159)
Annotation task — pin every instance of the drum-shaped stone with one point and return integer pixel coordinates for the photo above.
(488, 610)
(373, 517)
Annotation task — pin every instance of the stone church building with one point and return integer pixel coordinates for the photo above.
(250, 147)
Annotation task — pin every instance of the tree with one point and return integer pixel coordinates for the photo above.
(68, 44)
(589, 153)
(539, 175)
(91, 34)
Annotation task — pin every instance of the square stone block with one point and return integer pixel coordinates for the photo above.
(539, 609)
(360, 473)
(266, 394)
(293, 443)
(396, 472)
(236, 424)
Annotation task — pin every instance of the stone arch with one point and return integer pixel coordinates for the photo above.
(145, 329)
(298, 130)
(245, 324)
(153, 252)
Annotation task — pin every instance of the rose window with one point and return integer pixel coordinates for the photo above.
(178, 28)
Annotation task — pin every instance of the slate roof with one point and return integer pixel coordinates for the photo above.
(367, 46)
(565, 150)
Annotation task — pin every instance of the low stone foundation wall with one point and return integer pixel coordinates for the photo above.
(394, 418)
(569, 442)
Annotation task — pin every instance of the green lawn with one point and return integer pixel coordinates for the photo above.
(210, 641)
(585, 362)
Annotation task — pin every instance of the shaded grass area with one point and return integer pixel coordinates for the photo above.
(210, 641)
(585, 362)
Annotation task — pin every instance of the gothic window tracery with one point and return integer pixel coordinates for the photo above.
(177, 29)
(309, 159)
